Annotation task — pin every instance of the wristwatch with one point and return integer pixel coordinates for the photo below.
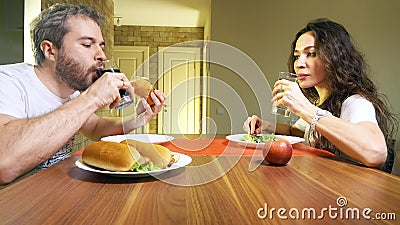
(318, 115)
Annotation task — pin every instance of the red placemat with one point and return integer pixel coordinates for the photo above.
(221, 146)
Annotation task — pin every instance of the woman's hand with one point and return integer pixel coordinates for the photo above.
(253, 125)
(289, 94)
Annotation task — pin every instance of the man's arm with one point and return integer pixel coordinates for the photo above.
(97, 127)
(25, 143)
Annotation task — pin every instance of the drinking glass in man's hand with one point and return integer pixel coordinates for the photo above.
(281, 109)
(111, 66)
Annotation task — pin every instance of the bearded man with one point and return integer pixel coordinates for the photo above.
(43, 106)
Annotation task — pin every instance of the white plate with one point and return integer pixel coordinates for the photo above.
(237, 137)
(183, 161)
(148, 138)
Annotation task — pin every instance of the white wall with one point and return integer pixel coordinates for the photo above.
(32, 9)
(264, 29)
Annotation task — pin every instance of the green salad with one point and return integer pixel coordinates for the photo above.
(262, 138)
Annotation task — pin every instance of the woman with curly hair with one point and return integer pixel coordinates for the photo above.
(339, 107)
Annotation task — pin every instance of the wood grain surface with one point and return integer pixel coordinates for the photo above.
(65, 194)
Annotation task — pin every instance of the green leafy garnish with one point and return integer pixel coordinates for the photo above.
(262, 138)
(144, 168)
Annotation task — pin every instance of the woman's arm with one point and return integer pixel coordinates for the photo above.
(362, 140)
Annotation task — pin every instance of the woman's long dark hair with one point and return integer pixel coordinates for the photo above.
(347, 74)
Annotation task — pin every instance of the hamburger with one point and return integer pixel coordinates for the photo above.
(143, 88)
(128, 155)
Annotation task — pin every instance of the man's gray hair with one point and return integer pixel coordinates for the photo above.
(52, 25)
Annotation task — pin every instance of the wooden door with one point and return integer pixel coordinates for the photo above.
(179, 78)
(130, 58)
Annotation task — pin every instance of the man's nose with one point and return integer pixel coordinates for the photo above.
(100, 55)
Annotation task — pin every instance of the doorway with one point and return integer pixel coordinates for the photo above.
(130, 60)
(179, 78)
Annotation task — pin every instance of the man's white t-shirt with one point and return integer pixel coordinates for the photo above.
(355, 109)
(23, 95)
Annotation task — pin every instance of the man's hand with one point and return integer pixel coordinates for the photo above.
(147, 112)
(105, 91)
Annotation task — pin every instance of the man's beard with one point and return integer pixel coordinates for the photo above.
(73, 73)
